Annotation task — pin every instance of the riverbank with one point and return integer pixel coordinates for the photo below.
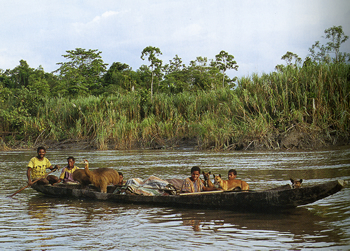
(297, 108)
(292, 139)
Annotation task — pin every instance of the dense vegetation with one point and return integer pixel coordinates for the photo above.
(300, 105)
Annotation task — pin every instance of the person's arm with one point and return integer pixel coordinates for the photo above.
(29, 170)
(52, 168)
(210, 188)
(204, 188)
(186, 186)
(59, 180)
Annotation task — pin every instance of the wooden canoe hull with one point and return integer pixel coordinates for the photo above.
(248, 200)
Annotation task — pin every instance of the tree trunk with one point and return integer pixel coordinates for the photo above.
(152, 88)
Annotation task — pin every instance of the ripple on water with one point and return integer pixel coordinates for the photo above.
(32, 222)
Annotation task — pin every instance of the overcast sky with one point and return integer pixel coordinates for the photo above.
(257, 33)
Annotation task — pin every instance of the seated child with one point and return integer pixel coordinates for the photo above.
(67, 172)
(232, 174)
(194, 184)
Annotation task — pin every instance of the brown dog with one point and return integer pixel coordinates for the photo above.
(101, 177)
(80, 175)
(296, 184)
(207, 182)
(228, 185)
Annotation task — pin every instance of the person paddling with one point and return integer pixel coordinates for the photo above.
(37, 166)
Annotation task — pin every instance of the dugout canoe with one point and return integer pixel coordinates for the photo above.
(272, 199)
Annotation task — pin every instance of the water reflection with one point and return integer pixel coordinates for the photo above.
(300, 222)
(32, 222)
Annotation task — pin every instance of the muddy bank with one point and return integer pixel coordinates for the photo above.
(292, 139)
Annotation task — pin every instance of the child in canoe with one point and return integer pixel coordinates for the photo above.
(193, 184)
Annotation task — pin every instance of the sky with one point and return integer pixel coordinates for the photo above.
(257, 33)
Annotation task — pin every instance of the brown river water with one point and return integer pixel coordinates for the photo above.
(30, 221)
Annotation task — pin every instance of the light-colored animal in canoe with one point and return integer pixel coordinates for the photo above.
(228, 185)
(207, 182)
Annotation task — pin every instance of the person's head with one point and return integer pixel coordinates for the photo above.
(195, 173)
(121, 177)
(71, 161)
(41, 151)
(232, 173)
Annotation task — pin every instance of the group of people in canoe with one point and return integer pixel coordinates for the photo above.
(37, 166)
(195, 184)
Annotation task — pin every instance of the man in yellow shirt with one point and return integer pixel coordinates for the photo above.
(37, 169)
(67, 172)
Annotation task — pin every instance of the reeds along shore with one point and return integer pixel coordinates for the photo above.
(299, 107)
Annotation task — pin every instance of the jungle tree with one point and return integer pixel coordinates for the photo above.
(321, 53)
(289, 57)
(83, 71)
(120, 76)
(176, 75)
(224, 61)
(155, 63)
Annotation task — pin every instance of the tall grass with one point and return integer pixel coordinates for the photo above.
(314, 98)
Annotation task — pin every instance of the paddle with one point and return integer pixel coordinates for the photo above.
(44, 176)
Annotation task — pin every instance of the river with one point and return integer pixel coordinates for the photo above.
(30, 221)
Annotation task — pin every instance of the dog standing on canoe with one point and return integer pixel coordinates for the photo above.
(231, 183)
(100, 177)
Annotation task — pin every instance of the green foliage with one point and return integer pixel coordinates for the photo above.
(203, 76)
(155, 63)
(120, 78)
(256, 112)
(119, 109)
(82, 74)
(224, 62)
(176, 76)
(323, 52)
(289, 57)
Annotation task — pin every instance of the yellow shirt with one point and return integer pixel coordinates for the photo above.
(38, 167)
(66, 170)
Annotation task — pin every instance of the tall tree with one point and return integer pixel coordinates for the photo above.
(321, 53)
(83, 71)
(175, 76)
(289, 57)
(20, 75)
(224, 62)
(155, 63)
(202, 75)
(174, 65)
(120, 77)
